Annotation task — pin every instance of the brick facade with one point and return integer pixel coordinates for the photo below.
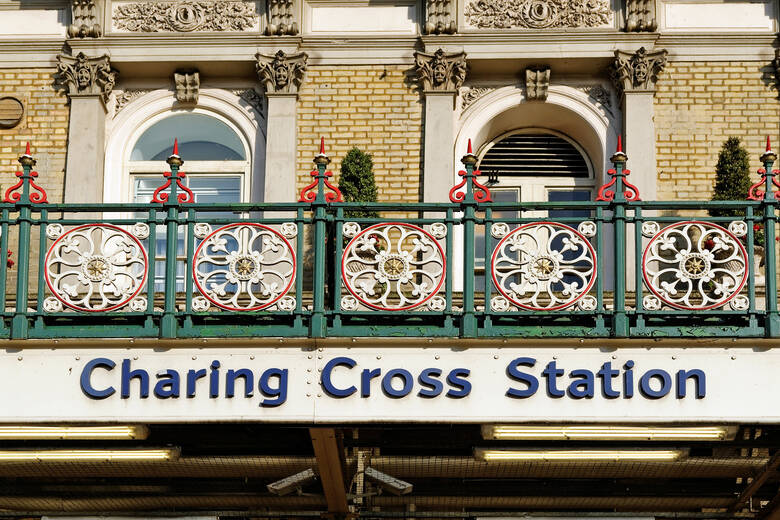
(375, 108)
(45, 125)
(698, 105)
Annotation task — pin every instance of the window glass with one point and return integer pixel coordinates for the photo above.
(201, 138)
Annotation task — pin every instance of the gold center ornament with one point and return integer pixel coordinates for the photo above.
(245, 266)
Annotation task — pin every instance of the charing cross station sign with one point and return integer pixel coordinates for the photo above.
(390, 384)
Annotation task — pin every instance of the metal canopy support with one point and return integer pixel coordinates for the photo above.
(755, 485)
(329, 453)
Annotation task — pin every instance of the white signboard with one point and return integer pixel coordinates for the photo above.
(343, 385)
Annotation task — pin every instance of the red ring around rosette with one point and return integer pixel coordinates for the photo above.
(557, 307)
(113, 307)
(683, 307)
(258, 307)
(407, 307)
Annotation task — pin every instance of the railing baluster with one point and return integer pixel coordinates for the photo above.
(41, 267)
(4, 259)
(769, 204)
(640, 318)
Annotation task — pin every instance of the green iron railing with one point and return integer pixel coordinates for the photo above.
(614, 267)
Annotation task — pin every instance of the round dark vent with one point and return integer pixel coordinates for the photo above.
(11, 112)
(534, 155)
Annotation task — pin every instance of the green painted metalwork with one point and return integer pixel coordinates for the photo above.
(318, 291)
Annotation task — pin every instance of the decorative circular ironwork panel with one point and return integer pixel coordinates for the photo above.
(543, 266)
(694, 265)
(393, 266)
(243, 267)
(95, 268)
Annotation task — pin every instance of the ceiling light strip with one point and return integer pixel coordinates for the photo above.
(73, 432)
(574, 455)
(509, 432)
(88, 455)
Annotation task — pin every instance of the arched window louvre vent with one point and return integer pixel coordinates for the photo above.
(524, 155)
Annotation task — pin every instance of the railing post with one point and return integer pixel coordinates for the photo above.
(319, 200)
(768, 197)
(24, 201)
(469, 200)
(171, 202)
(619, 192)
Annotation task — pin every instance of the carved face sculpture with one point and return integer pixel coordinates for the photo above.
(83, 77)
(282, 75)
(439, 72)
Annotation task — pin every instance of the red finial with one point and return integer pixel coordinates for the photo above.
(322, 146)
(620, 143)
(768, 145)
(176, 147)
(27, 149)
(468, 151)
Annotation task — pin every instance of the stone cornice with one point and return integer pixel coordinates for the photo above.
(38, 52)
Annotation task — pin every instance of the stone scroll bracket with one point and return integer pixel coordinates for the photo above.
(640, 16)
(537, 83)
(281, 19)
(439, 17)
(86, 19)
(187, 86)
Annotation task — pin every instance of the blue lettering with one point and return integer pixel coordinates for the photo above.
(128, 375)
(647, 390)
(167, 384)
(387, 383)
(86, 377)
(514, 373)
(431, 386)
(700, 382)
(326, 383)
(280, 392)
(456, 379)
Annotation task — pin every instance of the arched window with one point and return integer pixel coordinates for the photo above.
(216, 158)
(534, 164)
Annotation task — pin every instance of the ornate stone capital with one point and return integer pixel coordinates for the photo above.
(85, 21)
(281, 18)
(640, 16)
(440, 71)
(537, 81)
(187, 84)
(281, 73)
(83, 76)
(638, 71)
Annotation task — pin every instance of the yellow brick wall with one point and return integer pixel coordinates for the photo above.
(698, 105)
(45, 126)
(375, 108)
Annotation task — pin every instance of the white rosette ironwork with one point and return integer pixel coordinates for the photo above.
(95, 267)
(695, 265)
(393, 266)
(544, 266)
(244, 267)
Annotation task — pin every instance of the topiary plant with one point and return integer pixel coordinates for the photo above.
(357, 181)
(732, 177)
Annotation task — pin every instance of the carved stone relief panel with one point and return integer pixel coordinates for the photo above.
(186, 16)
(251, 98)
(538, 14)
(125, 97)
(468, 95)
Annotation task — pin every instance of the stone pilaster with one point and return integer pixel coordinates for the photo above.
(281, 75)
(88, 83)
(634, 76)
(440, 75)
